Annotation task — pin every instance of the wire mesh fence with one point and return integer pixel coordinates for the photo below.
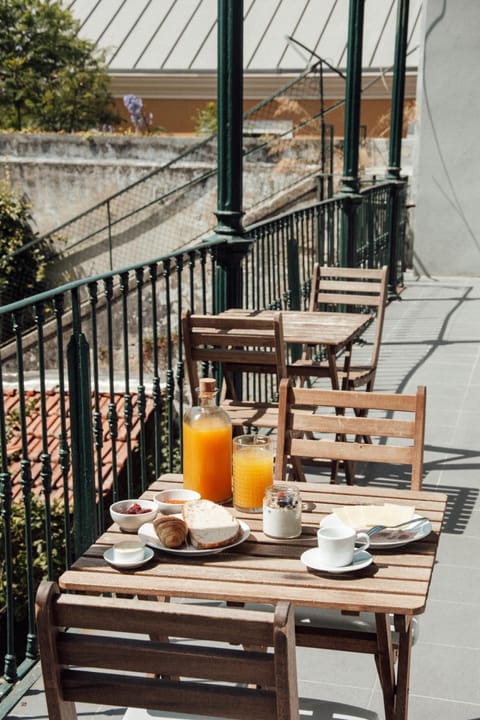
(288, 152)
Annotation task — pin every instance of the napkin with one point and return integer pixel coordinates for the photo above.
(365, 516)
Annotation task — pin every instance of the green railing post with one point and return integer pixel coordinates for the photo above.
(398, 92)
(350, 180)
(398, 184)
(83, 474)
(229, 213)
(10, 661)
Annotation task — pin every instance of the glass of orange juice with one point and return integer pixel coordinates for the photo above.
(252, 471)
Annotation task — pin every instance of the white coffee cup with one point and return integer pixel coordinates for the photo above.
(337, 545)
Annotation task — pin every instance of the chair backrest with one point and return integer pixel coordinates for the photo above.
(234, 344)
(96, 650)
(350, 290)
(327, 424)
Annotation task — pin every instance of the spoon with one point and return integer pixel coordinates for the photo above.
(378, 528)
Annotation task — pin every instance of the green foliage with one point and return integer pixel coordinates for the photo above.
(50, 78)
(21, 274)
(205, 120)
(19, 551)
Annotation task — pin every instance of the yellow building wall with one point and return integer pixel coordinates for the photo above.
(176, 116)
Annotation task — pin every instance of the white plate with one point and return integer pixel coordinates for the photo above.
(311, 559)
(388, 538)
(108, 556)
(148, 536)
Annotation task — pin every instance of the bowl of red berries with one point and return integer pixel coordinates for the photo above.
(131, 514)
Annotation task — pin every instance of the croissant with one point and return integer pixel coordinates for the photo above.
(171, 531)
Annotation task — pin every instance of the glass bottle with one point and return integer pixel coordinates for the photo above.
(207, 446)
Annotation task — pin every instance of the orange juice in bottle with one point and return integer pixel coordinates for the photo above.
(207, 446)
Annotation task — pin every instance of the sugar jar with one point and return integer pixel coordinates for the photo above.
(282, 511)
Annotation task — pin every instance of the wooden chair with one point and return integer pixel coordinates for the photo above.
(231, 346)
(337, 420)
(95, 649)
(331, 629)
(348, 290)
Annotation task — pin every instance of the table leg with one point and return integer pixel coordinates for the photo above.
(332, 367)
(385, 660)
(395, 686)
(403, 626)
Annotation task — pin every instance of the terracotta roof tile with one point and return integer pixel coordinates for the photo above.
(53, 423)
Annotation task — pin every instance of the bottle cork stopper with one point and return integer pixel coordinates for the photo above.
(208, 385)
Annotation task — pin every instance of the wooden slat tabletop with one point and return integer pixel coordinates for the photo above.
(322, 328)
(265, 570)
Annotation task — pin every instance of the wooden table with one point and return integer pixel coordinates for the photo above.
(265, 570)
(335, 330)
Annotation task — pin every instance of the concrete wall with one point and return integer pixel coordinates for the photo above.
(64, 175)
(447, 169)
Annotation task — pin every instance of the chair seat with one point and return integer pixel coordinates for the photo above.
(251, 414)
(306, 367)
(309, 710)
(357, 375)
(336, 620)
(329, 619)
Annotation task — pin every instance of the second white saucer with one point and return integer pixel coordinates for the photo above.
(108, 556)
(312, 560)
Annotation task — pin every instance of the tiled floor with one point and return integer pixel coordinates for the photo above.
(431, 337)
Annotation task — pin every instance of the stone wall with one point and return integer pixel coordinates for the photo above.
(66, 175)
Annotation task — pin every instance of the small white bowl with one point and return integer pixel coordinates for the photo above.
(131, 522)
(171, 501)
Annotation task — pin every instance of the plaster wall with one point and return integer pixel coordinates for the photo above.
(64, 176)
(446, 175)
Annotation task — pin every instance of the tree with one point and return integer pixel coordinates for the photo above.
(50, 78)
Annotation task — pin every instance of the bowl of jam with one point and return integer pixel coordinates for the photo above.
(131, 514)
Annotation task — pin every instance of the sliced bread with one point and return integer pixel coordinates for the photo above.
(210, 525)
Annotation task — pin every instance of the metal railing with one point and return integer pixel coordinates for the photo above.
(94, 391)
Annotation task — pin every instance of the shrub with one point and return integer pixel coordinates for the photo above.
(22, 261)
(205, 119)
(40, 559)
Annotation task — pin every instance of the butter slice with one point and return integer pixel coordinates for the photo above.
(128, 551)
(365, 516)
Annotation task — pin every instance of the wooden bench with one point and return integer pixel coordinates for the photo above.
(96, 649)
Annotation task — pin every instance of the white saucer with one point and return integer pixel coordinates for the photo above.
(311, 559)
(147, 555)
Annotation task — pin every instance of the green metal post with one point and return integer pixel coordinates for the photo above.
(398, 184)
(350, 180)
(229, 155)
(84, 511)
(398, 91)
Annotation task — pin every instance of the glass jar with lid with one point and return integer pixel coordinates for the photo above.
(282, 511)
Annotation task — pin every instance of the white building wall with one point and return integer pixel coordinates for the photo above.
(447, 171)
